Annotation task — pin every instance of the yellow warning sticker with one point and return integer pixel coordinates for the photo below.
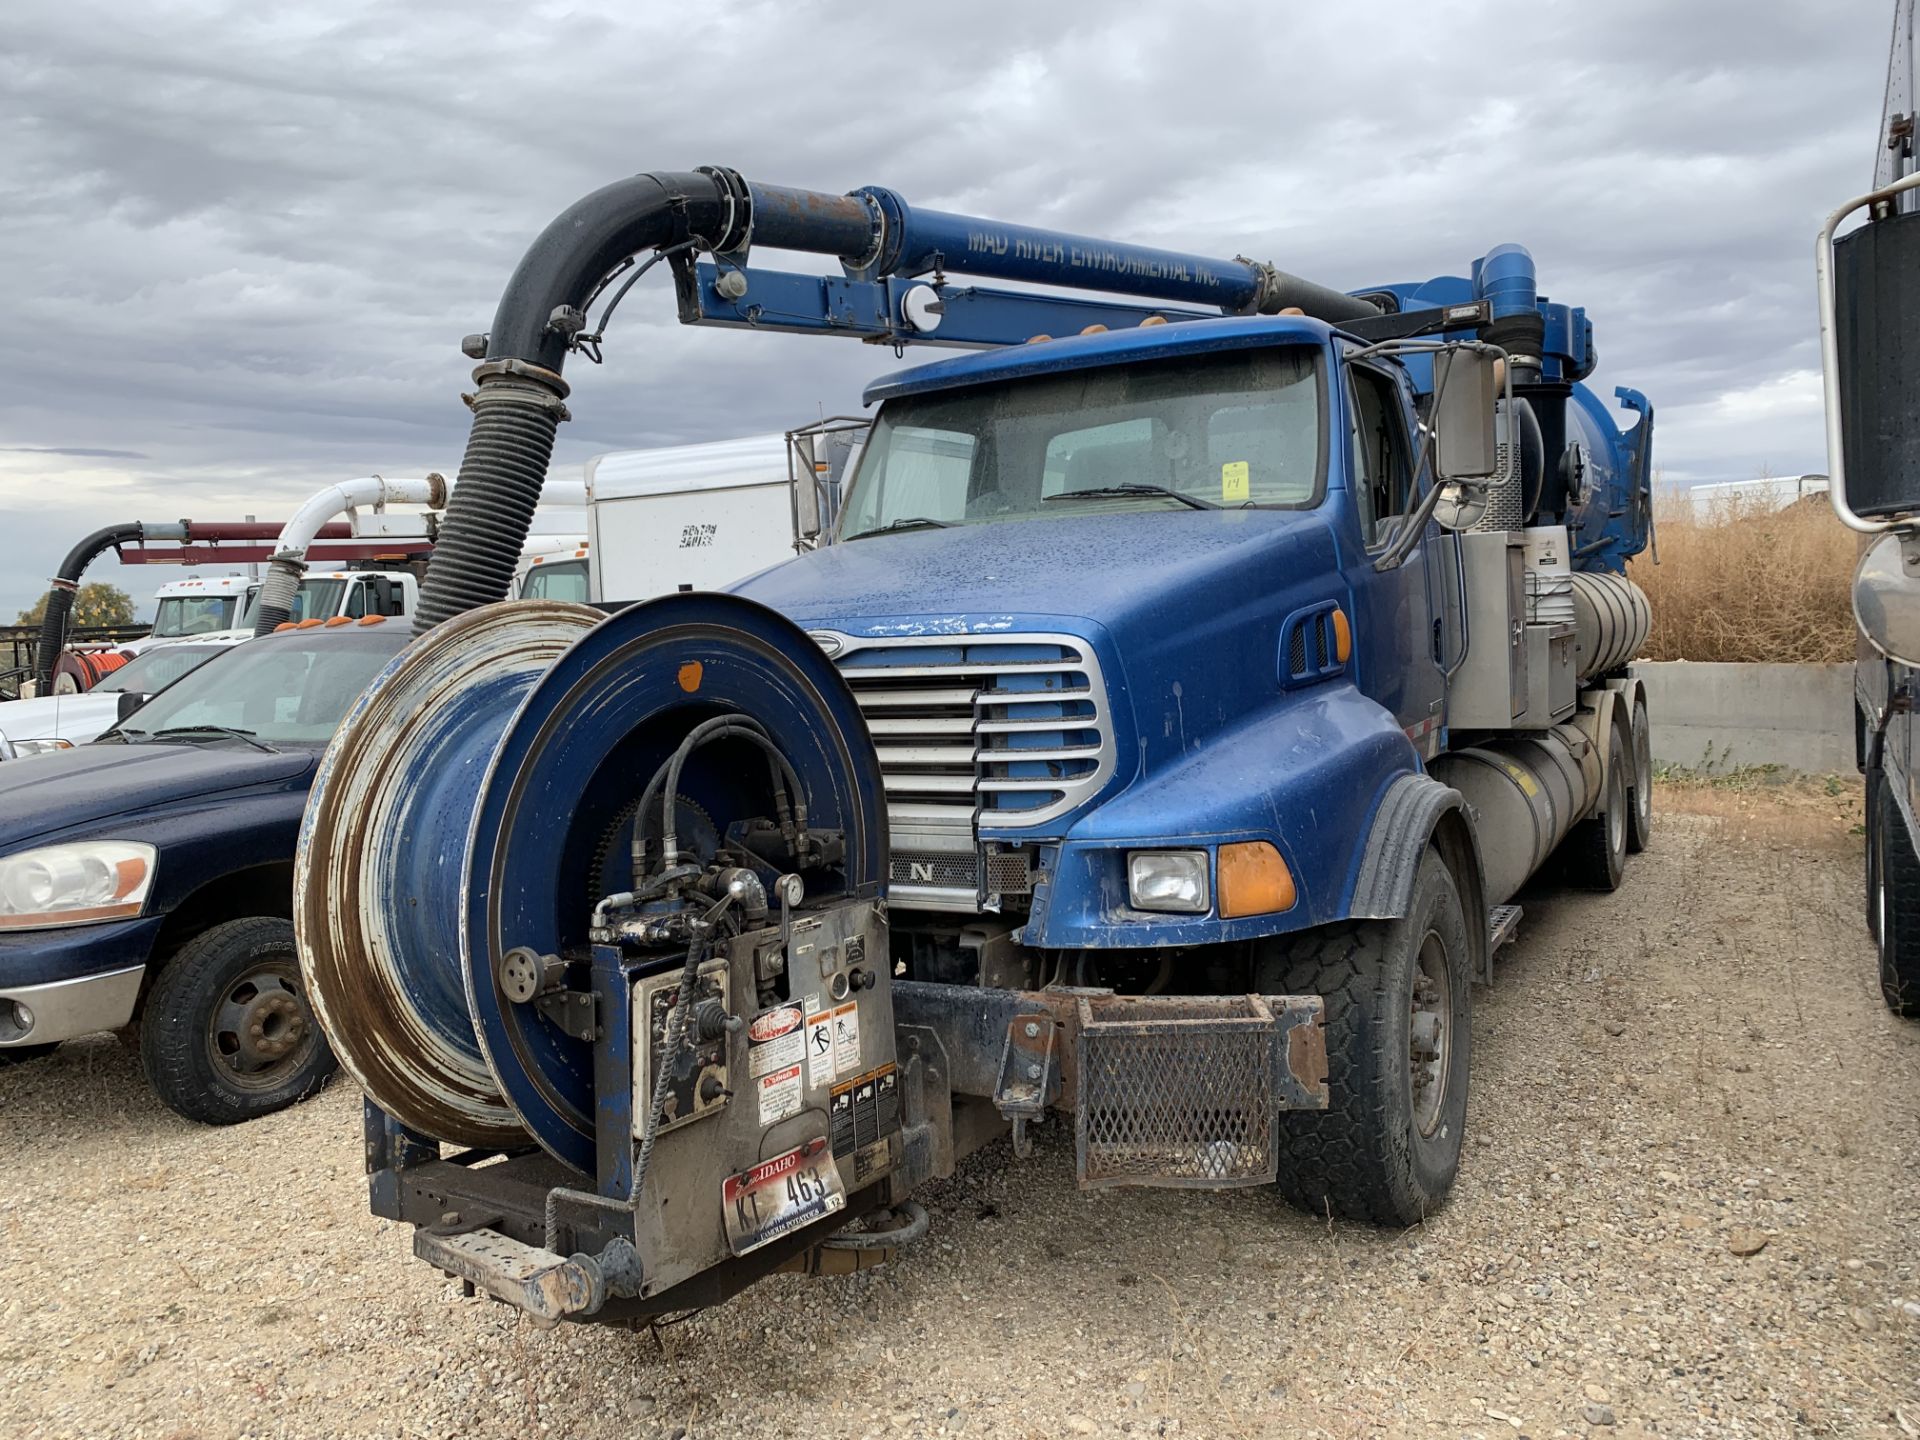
(1235, 483)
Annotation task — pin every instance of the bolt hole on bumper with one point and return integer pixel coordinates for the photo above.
(1186, 1091)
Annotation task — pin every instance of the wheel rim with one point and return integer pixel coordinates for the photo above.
(1430, 1034)
(260, 1032)
(1616, 815)
(1642, 772)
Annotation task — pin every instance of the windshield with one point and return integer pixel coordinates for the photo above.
(317, 599)
(564, 581)
(157, 669)
(284, 689)
(1235, 429)
(193, 615)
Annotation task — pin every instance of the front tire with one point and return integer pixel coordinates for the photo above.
(227, 1034)
(1897, 901)
(1399, 1029)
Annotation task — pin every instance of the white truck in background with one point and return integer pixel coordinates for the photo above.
(703, 516)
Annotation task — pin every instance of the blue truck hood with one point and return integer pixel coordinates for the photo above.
(46, 794)
(1110, 568)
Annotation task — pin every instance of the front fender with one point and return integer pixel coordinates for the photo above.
(1305, 775)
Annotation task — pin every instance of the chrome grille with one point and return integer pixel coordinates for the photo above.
(1008, 730)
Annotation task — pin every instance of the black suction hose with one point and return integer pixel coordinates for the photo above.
(519, 403)
(66, 581)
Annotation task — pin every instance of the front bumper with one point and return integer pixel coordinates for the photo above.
(72, 981)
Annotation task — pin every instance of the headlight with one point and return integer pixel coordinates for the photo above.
(74, 884)
(23, 748)
(1168, 880)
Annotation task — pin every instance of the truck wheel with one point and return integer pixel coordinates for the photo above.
(226, 1034)
(1640, 817)
(20, 1054)
(1898, 904)
(1596, 849)
(1875, 898)
(1398, 1031)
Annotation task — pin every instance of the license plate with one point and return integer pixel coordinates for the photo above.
(781, 1195)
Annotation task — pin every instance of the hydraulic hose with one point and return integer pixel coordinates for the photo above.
(520, 399)
(66, 582)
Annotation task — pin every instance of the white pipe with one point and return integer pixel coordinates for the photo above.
(320, 507)
(297, 535)
(1830, 358)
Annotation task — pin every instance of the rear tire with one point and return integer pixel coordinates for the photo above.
(1640, 817)
(227, 1034)
(1399, 1031)
(1898, 905)
(1596, 849)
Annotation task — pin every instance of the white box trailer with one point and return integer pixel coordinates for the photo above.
(705, 516)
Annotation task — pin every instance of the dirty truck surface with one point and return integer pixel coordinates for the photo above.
(1690, 1207)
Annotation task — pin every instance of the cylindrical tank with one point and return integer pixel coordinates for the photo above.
(1528, 790)
(1611, 617)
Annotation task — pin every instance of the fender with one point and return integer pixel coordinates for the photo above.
(1600, 710)
(1632, 690)
(1286, 775)
(1416, 813)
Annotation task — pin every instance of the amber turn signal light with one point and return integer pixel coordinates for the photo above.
(1253, 880)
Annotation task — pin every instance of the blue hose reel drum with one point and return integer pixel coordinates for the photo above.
(582, 745)
(485, 806)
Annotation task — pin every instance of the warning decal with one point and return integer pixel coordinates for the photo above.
(780, 1095)
(774, 1040)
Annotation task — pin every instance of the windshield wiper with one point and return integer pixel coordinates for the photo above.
(186, 730)
(1102, 492)
(911, 522)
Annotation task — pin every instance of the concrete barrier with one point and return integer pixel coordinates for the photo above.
(1720, 717)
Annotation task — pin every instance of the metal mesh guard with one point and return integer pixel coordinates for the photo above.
(1176, 1091)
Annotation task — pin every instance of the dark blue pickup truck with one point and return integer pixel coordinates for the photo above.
(148, 877)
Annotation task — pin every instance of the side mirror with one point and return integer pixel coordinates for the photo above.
(130, 701)
(805, 474)
(1466, 385)
(1886, 597)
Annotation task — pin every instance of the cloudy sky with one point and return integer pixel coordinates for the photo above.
(240, 242)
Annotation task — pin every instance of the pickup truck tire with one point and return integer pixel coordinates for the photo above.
(1398, 1026)
(226, 1034)
(20, 1054)
(1640, 817)
(1898, 906)
(1596, 850)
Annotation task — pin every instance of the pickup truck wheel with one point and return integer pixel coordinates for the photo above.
(1898, 906)
(1596, 850)
(20, 1054)
(1398, 1031)
(227, 1034)
(1640, 817)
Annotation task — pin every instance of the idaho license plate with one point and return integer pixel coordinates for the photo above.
(781, 1195)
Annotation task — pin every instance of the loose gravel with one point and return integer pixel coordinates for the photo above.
(1690, 1207)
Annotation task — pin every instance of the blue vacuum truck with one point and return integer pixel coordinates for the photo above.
(1202, 665)
(1869, 290)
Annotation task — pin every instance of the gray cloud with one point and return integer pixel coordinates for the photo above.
(242, 241)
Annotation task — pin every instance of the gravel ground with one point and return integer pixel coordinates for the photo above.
(1714, 1078)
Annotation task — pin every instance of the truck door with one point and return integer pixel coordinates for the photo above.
(1401, 634)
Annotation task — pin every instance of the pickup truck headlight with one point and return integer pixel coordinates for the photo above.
(1173, 880)
(74, 884)
(23, 748)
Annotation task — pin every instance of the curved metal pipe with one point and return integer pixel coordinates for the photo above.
(289, 562)
(66, 582)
